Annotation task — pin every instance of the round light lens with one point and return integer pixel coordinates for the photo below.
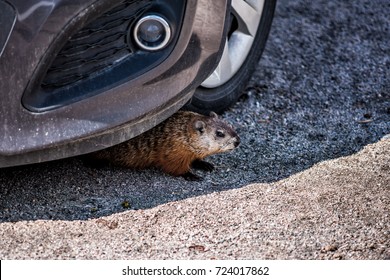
(152, 33)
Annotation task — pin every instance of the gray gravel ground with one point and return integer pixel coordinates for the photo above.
(321, 91)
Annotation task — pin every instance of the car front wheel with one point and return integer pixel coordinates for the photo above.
(249, 25)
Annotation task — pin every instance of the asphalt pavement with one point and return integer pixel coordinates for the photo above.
(321, 91)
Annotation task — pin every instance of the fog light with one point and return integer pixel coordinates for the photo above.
(152, 33)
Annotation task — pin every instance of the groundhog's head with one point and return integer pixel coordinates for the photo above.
(214, 135)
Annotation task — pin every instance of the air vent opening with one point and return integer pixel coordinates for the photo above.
(97, 47)
(102, 55)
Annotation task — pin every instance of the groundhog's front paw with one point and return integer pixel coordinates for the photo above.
(192, 177)
(202, 165)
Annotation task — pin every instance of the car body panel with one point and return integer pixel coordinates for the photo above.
(114, 115)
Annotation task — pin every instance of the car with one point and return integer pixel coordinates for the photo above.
(79, 76)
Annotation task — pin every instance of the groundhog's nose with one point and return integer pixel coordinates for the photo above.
(237, 142)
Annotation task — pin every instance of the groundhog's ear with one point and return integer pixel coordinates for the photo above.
(213, 115)
(200, 126)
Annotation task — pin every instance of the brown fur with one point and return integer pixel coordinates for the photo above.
(173, 145)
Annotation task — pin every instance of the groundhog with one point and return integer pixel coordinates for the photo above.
(175, 146)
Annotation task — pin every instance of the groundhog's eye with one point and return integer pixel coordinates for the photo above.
(220, 133)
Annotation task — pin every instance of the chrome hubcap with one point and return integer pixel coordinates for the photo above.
(247, 15)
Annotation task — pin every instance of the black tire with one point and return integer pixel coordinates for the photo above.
(220, 98)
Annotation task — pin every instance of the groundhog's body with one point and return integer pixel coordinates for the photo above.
(175, 145)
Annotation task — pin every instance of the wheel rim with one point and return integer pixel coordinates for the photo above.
(246, 18)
